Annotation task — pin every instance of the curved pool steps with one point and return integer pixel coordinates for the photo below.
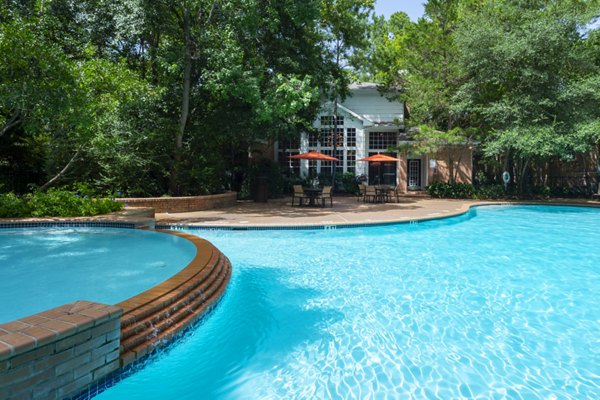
(152, 318)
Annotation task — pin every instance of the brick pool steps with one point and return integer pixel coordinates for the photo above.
(157, 315)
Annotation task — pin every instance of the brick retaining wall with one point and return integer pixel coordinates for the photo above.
(58, 352)
(183, 204)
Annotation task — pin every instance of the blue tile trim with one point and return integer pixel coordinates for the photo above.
(66, 224)
(180, 227)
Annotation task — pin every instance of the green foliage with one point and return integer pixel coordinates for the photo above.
(106, 82)
(564, 191)
(278, 183)
(56, 203)
(448, 190)
(489, 191)
(13, 206)
(290, 181)
(349, 184)
(532, 80)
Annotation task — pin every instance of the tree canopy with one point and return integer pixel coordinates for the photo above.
(154, 97)
(520, 77)
(181, 97)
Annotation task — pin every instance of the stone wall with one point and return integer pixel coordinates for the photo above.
(59, 352)
(183, 204)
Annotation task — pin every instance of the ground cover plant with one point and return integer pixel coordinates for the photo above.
(55, 203)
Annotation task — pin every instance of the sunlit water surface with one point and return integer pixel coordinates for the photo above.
(501, 303)
(43, 268)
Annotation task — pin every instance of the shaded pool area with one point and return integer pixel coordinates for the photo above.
(42, 268)
(501, 303)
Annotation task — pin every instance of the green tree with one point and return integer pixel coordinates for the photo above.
(532, 80)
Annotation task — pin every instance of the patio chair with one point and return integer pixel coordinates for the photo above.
(362, 190)
(326, 194)
(393, 193)
(370, 194)
(298, 194)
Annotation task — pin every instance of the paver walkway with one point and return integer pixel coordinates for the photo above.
(345, 210)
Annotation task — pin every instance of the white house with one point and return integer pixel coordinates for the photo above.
(369, 123)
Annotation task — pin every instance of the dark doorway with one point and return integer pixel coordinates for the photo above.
(383, 173)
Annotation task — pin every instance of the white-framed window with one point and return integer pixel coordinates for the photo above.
(313, 140)
(327, 120)
(382, 140)
(351, 137)
(350, 160)
(327, 137)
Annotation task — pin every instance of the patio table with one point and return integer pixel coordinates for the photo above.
(381, 193)
(312, 194)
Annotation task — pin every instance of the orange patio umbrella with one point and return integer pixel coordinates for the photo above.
(314, 155)
(380, 158)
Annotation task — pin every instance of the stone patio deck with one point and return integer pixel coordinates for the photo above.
(346, 210)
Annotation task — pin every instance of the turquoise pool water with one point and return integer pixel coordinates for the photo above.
(500, 304)
(42, 268)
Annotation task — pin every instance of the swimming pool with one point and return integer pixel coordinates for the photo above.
(500, 303)
(42, 268)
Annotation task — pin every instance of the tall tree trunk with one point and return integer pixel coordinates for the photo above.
(524, 166)
(458, 162)
(62, 171)
(185, 103)
(13, 121)
(450, 164)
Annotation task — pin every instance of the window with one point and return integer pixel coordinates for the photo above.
(290, 143)
(339, 166)
(351, 159)
(326, 164)
(327, 120)
(327, 137)
(289, 147)
(313, 140)
(351, 137)
(382, 140)
(291, 166)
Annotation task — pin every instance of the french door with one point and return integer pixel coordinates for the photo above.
(414, 174)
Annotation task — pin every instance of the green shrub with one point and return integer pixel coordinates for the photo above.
(55, 203)
(277, 181)
(489, 191)
(13, 206)
(448, 190)
(571, 191)
(349, 184)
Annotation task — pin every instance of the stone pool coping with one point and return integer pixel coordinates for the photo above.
(78, 347)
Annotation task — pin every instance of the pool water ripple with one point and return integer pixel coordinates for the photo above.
(502, 304)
